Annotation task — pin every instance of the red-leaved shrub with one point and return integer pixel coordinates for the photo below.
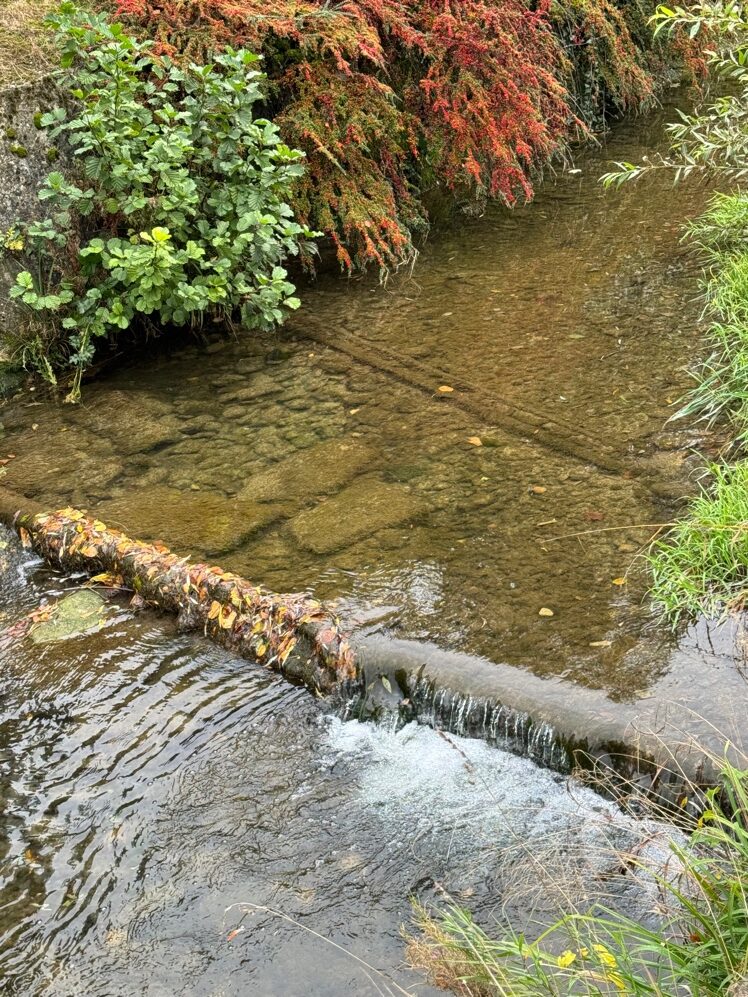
(391, 97)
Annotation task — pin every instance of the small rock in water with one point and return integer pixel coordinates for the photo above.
(76, 614)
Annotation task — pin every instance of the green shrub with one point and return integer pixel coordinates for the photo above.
(179, 209)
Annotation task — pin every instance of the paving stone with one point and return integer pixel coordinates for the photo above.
(362, 509)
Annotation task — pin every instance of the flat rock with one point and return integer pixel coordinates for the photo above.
(318, 470)
(79, 613)
(133, 421)
(206, 522)
(258, 386)
(362, 509)
(50, 461)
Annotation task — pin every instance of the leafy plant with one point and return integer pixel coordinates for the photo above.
(714, 139)
(179, 210)
(393, 98)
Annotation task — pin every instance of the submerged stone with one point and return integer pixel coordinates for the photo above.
(318, 470)
(54, 459)
(133, 421)
(11, 377)
(76, 614)
(362, 509)
(187, 520)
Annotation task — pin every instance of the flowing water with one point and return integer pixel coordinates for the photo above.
(445, 456)
(177, 821)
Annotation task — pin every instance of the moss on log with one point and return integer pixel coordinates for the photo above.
(289, 633)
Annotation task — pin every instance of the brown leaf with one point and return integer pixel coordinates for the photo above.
(593, 516)
(475, 440)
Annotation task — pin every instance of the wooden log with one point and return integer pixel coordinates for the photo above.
(289, 633)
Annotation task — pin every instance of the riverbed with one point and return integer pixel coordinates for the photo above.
(469, 459)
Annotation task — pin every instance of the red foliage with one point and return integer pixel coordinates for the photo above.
(387, 97)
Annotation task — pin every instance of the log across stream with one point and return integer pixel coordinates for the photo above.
(549, 720)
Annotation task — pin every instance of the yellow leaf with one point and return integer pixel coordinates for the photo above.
(475, 440)
(107, 578)
(258, 627)
(445, 389)
(619, 581)
(215, 609)
(261, 648)
(566, 958)
(226, 620)
(537, 489)
(546, 612)
(236, 598)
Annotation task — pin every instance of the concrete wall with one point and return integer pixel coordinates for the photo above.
(26, 156)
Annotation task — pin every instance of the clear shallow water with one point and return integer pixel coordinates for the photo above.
(149, 781)
(327, 459)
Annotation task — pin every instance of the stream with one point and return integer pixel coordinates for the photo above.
(444, 456)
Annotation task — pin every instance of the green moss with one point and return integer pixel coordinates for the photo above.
(10, 133)
(37, 119)
(53, 154)
(19, 150)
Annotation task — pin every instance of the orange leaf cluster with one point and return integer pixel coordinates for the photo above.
(251, 621)
(389, 98)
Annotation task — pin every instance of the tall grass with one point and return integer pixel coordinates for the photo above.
(700, 951)
(721, 235)
(701, 565)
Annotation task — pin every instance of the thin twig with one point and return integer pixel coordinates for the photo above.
(292, 920)
(607, 529)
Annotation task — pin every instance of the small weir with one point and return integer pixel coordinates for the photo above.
(165, 805)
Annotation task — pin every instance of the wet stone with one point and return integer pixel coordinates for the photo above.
(260, 386)
(76, 614)
(318, 470)
(188, 520)
(68, 456)
(360, 510)
(133, 421)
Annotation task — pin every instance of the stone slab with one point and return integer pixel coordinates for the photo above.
(307, 474)
(202, 521)
(364, 508)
